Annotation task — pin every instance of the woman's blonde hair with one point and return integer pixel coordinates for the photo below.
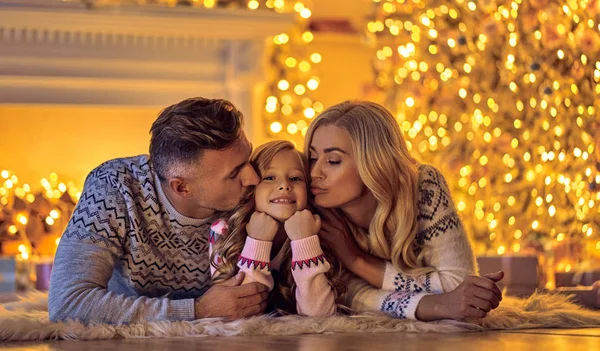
(388, 171)
(230, 246)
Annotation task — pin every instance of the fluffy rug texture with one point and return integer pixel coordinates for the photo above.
(28, 320)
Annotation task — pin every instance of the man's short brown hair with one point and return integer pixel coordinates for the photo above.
(184, 130)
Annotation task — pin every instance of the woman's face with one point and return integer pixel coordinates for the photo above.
(282, 188)
(335, 181)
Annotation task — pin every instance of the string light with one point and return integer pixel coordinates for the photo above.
(295, 78)
(21, 209)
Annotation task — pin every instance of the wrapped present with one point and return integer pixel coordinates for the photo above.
(24, 273)
(522, 273)
(566, 279)
(588, 296)
(7, 274)
(43, 269)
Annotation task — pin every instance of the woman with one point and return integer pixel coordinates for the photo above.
(392, 221)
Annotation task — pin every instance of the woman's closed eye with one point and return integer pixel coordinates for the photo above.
(331, 162)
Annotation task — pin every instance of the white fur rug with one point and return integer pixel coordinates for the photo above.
(28, 320)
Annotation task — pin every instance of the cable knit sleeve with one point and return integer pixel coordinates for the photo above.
(446, 249)
(314, 295)
(254, 261)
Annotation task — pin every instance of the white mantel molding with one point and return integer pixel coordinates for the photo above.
(54, 52)
(29, 19)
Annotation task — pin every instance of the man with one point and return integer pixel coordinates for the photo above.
(136, 248)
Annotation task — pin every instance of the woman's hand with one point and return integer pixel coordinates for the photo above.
(262, 227)
(338, 238)
(473, 298)
(336, 235)
(302, 224)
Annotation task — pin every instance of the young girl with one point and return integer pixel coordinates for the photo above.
(269, 223)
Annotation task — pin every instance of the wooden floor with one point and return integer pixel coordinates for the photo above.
(536, 340)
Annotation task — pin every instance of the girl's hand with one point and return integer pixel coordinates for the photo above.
(262, 227)
(302, 225)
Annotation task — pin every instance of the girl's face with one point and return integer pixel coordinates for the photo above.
(335, 181)
(282, 188)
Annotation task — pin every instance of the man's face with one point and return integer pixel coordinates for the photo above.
(223, 177)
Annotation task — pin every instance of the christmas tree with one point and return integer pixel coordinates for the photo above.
(290, 103)
(502, 96)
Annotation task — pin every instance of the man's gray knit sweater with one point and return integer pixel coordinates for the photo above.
(127, 255)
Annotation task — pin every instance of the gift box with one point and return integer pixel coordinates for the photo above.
(43, 270)
(588, 296)
(522, 273)
(7, 274)
(564, 279)
(24, 273)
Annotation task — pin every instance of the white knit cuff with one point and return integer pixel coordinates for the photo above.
(401, 305)
(304, 249)
(257, 250)
(411, 310)
(181, 310)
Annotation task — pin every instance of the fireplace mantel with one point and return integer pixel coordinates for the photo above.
(54, 52)
(140, 21)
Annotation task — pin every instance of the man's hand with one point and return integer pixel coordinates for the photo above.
(262, 227)
(232, 300)
(302, 224)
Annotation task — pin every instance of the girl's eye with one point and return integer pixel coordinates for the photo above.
(296, 179)
(268, 178)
